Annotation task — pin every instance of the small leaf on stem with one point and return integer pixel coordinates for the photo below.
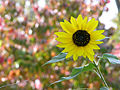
(111, 58)
(59, 57)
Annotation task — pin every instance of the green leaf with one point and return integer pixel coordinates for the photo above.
(111, 58)
(59, 57)
(76, 71)
(104, 88)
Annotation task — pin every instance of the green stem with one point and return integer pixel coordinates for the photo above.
(101, 76)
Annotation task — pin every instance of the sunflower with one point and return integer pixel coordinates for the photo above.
(79, 37)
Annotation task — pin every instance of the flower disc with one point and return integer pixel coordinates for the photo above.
(81, 38)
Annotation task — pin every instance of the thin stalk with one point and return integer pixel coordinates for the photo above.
(100, 74)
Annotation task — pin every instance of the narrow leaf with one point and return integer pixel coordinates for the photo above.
(104, 88)
(76, 71)
(111, 58)
(59, 57)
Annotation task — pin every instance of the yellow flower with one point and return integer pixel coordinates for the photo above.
(79, 37)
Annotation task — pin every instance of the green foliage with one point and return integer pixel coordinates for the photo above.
(111, 58)
(57, 58)
(76, 71)
(104, 88)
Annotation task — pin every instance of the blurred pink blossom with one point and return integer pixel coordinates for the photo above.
(2, 23)
(38, 84)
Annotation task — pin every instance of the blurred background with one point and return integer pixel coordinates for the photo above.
(27, 41)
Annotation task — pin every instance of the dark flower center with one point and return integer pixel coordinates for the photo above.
(81, 38)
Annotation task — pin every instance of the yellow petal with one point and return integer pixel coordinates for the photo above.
(62, 24)
(99, 37)
(95, 42)
(90, 23)
(84, 23)
(67, 27)
(74, 23)
(96, 35)
(63, 45)
(91, 26)
(87, 48)
(75, 57)
(64, 40)
(79, 21)
(63, 34)
(80, 51)
(84, 54)
(94, 46)
(91, 51)
(89, 54)
(98, 32)
(69, 48)
(91, 57)
(94, 25)
(70, 53)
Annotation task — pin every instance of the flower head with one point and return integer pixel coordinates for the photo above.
(79, 37)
